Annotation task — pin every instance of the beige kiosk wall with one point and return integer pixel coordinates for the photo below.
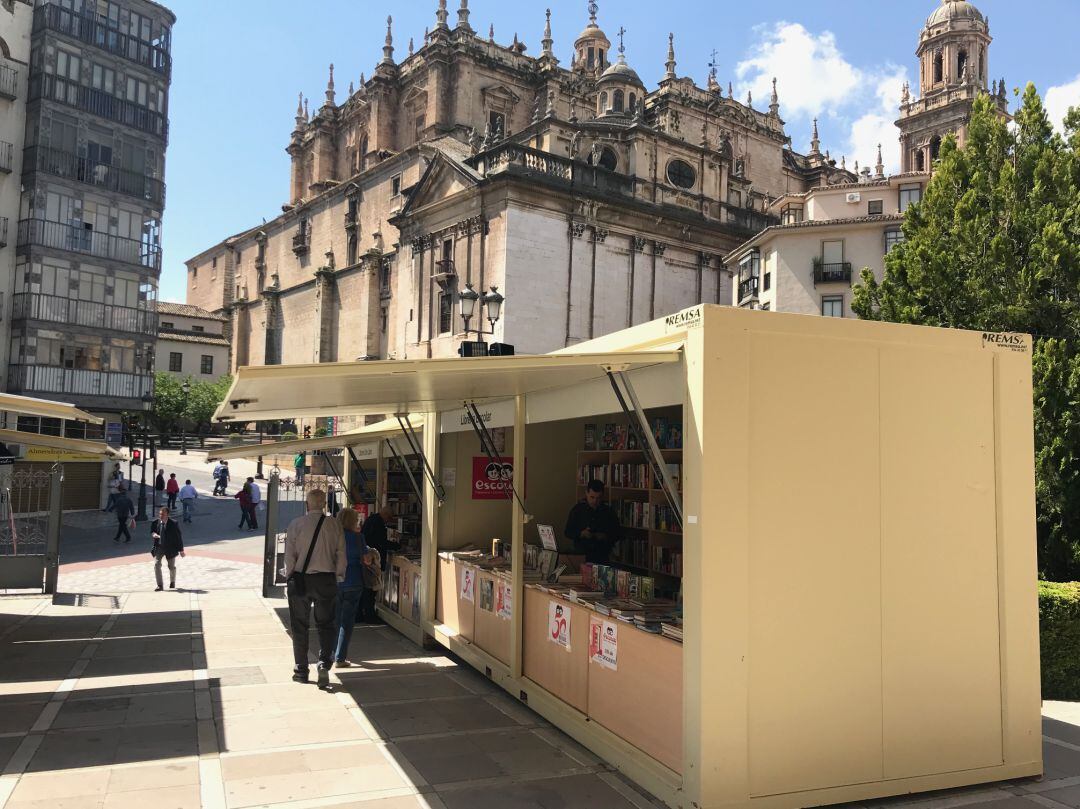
(866, 598)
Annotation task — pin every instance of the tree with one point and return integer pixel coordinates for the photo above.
(995, 246)
(174, 409)
(169, 403)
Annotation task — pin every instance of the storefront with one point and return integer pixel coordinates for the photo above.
(824, 589)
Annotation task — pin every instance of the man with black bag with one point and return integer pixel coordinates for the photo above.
(314, 564)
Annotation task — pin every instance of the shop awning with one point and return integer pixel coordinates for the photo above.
(29, 406)
(71, 446)
(388, 428)
(267, 393)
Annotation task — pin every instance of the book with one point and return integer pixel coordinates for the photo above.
(590, 436)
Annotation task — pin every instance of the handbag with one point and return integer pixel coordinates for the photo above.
(295, 584)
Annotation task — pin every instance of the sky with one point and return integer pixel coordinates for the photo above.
(238, 66)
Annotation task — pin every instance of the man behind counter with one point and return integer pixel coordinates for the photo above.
(593, 526)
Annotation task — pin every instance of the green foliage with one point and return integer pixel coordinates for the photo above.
(289, 437)
(1059, 639)
(321, 432)
(995, 246)
(174, 408)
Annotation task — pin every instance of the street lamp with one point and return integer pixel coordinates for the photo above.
(148, 401)
(186, 388)
(471, 301)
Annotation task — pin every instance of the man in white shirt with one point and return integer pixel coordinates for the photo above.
(256, 498)
(116, 478)
(188, 496)
(322, 569)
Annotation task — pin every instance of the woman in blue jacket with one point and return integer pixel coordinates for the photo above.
(351, 589)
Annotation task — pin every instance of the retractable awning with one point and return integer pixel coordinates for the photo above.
(29, 406)
(70, 445)
(272, 392)
(372, 433)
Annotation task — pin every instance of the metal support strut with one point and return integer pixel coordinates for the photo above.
(418, 450)
(330, 463)
(412, 480)
(364, 479)
(487, 444)
(640, 425)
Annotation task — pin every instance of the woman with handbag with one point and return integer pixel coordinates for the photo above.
(168, 544)
(246, 508)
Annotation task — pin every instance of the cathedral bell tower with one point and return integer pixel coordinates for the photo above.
(591, 49)
(954, 68)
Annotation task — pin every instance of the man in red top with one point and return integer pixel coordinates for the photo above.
(172, 488)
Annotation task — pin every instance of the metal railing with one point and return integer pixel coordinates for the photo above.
(79, 382)
(55, 309)
(105, 245)
(9, 81)
(748, 288)
(839, 273)
(94, 32)
(66, 164)
(98, 102)
(7, 156)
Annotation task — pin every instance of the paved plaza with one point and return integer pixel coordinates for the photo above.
(112, 695)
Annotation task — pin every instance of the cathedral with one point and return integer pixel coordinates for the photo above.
(542, 201)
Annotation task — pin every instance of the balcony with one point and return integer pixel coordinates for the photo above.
(3, 231)
(93, 32)
(54, 309)
(832, 273)
(9, 81)
(97, 102)
(7, 157)
(66, 164)
(79, 382)
(79, 240)
(300, 244)
(748, 288)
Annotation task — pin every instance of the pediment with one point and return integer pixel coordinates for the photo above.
(416, 93)
(499, 94)
(442, 179)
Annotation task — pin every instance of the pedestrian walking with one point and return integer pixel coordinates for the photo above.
(376, 537)
(299, 462)
(188, 496)
(357, 554)
(168, 544)
(256, 498)
(172, 489)
(124, 511)
(116, 479)
(221, 475)
(244, 496)
(314, 564)
(159, 482)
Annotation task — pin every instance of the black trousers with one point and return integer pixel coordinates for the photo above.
(367, 606)
(322, 595)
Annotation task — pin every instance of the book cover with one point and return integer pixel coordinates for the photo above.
(590, 436)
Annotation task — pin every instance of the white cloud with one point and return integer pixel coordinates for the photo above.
(1060, 99)
(816, 80)
(810, 70)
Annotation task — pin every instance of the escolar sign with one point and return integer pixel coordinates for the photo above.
(490, 479)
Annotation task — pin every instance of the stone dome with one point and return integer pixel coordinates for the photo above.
(953, 11)
(620, 71)
(593, 31)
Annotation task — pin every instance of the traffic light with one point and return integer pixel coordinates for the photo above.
(136, 457)
(307, 431)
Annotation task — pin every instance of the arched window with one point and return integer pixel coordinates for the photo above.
(603, 104)
(4, 51)
(920, 160)
(608, 159)
(619, 103)
(961, 63)
(681, 174)
(939, 68)
(362, 157)
(602, 58)
(982, 64)
(935, 147)
(633, 103)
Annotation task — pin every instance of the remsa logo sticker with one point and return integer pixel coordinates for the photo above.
(1006, 342)
(687, 319)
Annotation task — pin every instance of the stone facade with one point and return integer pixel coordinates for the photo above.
(191, 342)
(589, 201)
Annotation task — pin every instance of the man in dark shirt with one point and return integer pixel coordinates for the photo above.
(374, 533)
(593, 526)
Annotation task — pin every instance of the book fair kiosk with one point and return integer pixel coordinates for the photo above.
(825, 585)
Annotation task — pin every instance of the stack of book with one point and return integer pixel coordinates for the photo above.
(672, 629)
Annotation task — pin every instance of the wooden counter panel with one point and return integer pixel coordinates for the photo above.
(450, 609)
(641, 701)
(564, 673)
(491, 633)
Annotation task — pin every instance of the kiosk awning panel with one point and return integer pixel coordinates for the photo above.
(71, 445)
(29, 406)
(372, 433)
(402, 386)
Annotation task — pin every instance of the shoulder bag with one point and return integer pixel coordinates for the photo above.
(295, 584)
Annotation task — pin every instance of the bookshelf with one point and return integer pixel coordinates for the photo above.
(652, 539)
(401, 498)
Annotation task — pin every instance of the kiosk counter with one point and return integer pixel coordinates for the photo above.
(824, 584)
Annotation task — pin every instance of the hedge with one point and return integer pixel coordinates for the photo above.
(1059, 638)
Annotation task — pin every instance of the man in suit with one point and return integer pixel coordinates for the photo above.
(168, 544)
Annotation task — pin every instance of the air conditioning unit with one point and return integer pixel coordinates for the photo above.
(854, 197)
